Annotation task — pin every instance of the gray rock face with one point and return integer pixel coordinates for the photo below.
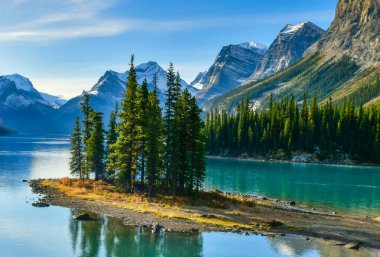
(233, 66)
(355, 31)
(198, 82)
(287, 48)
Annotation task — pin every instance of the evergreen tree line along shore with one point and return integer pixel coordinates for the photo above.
(327, 130)
(143, 149)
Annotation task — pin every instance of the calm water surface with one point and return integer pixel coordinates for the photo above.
(26, 231)
(348, 189)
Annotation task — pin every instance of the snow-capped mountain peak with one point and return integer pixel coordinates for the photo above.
(291, 30)
(20, 82)
(254, 45)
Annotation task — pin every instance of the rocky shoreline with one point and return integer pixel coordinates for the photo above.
(302, 158)
(272, 218)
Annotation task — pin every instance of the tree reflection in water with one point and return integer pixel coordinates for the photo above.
(109, 237)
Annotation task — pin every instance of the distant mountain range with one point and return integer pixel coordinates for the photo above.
(25, 109)
(239, 64)
(342, 63)
(110, 89)
(233, 66)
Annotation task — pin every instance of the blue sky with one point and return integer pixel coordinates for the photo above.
(64, 46)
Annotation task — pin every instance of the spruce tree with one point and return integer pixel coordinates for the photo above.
(76, 158)
(96, 152)
(143, 117)
(170, 142)
(154, 141)
(197, 149)
(127, 146)
(86, 111)
(110, 141)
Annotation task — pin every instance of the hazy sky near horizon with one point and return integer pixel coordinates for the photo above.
(64, 46)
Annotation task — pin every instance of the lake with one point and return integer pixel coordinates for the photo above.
(26, 231)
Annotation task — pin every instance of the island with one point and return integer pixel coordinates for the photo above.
(210, 211)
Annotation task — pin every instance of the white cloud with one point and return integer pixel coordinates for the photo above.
(51, 20)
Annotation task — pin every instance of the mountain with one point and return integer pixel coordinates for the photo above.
(343, 64)
(110, 89)
(233, 66)
(198, 82)
(355, 31)
(54, 101)
(288, 48)
(21, 106)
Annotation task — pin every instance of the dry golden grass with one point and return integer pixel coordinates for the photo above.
(213, 208)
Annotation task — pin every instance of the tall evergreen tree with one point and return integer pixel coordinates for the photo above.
(154, 141)
(96, 152)
(76, 158)
(111, 140)
(127, 146)
(143, 117)
(170, 142)
(86, 111)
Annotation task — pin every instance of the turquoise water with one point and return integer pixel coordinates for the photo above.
(348, 189)
(26, 231)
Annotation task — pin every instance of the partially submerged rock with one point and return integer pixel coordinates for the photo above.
(156, 228)
(83, 217)
(354, 245)
(40, 204)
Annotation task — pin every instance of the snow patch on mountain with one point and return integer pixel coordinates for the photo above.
(52, 100)
(21, 82)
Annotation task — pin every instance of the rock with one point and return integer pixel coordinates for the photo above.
(334, 213)
(282, 234)
(292, 203)
(275, 223)
(354, 245)
(156, 228)
(40, 204)
(209, 216)
(83, 217)
(217, 191)
(194, 230)
(307, 238)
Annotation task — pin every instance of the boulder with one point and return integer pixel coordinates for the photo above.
(354, 245)
(83, 217)
(40, 204)
(156, 228)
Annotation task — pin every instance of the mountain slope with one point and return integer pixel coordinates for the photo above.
(21, 106)
(287, 48)
(233, 66)
(109, 90)
(336, 67)
(198, 82)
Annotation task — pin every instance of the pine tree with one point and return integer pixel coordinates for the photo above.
(154, 141)
(96, 152)
(143, 117)
(170, 142)
(86, 111)
(111, 140)
(127, 146)
(76, 159)
(197, 149)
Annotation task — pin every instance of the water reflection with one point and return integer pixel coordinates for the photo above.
(119, 240)
(109, 237)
